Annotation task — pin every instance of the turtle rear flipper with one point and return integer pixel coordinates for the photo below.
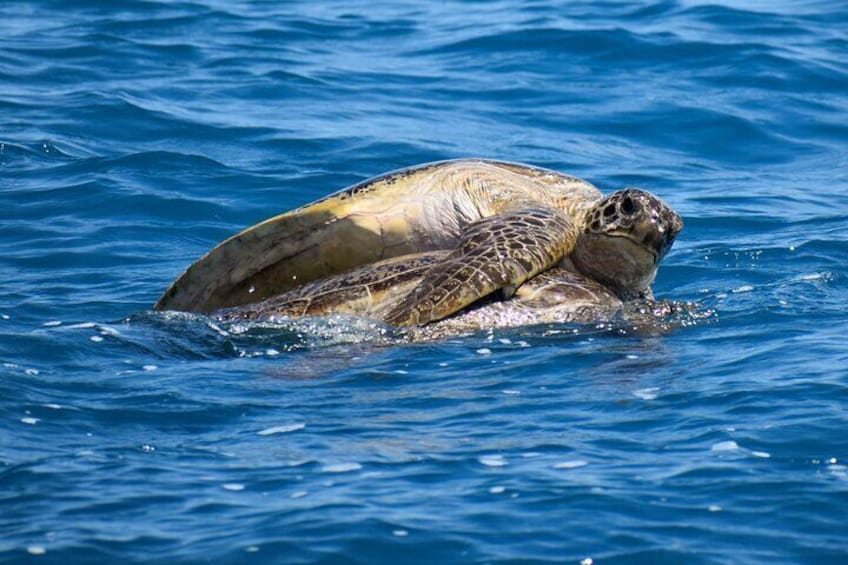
(496, 253)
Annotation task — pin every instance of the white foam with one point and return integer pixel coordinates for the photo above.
(233, 486)
(96, 338)
(725, 446)
(493, 460)
(484, 351)
(36, 550)
(497, 489)
(149, 367)
(510, 391)
(271, 352)
(743, 288)
(571, 464)
(649, 393)
(341, 467)
(400, 533)
(298, 494)
(52, 323)
(30, 420)
(297, 462)
(281, 429)
(761, 454)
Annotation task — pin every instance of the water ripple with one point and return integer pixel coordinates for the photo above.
(135, 136)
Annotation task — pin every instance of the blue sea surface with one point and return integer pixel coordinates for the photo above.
(135, 135)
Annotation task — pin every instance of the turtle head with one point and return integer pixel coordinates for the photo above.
(624, 238)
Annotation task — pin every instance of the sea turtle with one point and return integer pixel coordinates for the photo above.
(374, 290)
(500, 223)
(381, 290)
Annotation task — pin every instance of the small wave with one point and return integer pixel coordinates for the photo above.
(269, 337)
(204, 336)
(21, 157)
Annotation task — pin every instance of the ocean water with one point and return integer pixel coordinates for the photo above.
(135, 135)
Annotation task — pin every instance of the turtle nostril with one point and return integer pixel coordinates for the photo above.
(609, 210)
(627, 206)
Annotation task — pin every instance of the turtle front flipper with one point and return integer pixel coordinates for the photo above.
(498, 252)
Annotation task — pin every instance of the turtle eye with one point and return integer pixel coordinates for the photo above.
(609, 210)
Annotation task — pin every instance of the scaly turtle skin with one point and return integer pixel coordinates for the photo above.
(501, 224)
(622, 240)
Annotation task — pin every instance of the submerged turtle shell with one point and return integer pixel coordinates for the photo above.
(557, 295)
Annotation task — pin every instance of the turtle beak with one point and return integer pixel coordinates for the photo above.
(659, 241)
